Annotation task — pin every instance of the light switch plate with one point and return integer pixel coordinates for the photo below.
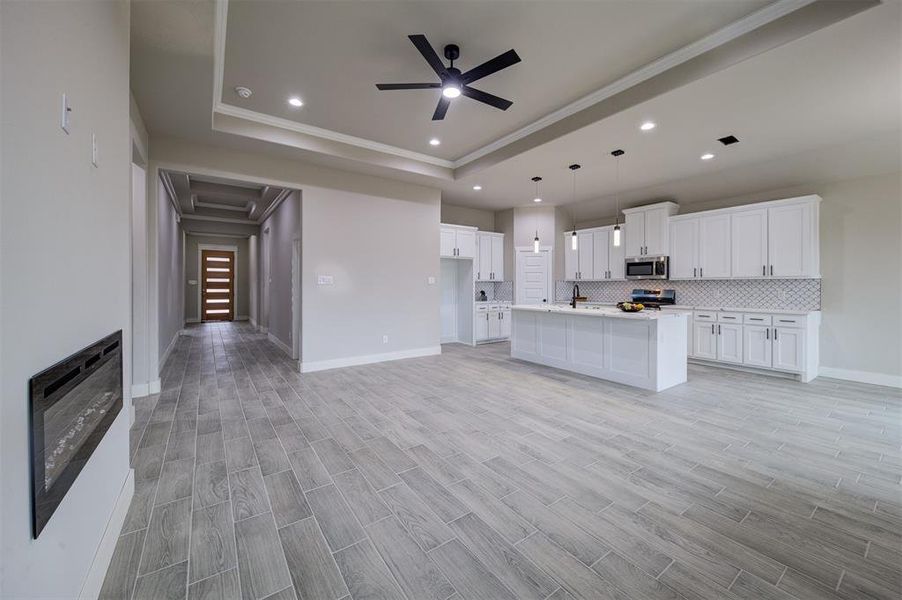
(430, 280)
(325, 280)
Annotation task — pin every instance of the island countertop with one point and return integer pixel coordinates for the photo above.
(599, 311)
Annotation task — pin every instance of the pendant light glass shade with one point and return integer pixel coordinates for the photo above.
(535, 243)
(573, 241)
(617, 235)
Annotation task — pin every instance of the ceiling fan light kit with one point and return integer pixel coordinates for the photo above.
(452, 82)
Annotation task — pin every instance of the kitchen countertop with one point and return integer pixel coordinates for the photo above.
(775, 311)
(596, 310)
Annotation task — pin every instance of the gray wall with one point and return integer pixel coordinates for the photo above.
(381, 252)
(170, 274)
(464, 215)
(284, 227)
(65, 271)
(242, 281)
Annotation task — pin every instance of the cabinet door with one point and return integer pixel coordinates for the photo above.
(704, 340)
(756, 346)
(494, 324)
(482, 326)
(586, 259)
(748, 243)
(601, 254)
(484, 259)
(497, 258)
(617, 255)
(789, 241)
(571, 258)
(684, 249)
(505, 324)
(789, 348)
(466, 243)
(635, 234)
(447, 241)
(729, 342)
(713, 247)
(657, 232)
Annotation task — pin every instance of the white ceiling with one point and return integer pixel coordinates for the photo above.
(834, 94)
(332, 54)
(834, 88)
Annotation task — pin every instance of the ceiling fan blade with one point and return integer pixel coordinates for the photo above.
(441, 109)
(429, 54)
(502, 61)
(486, 98)
(408, 86)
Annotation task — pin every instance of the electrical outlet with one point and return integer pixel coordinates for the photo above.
(384, 339)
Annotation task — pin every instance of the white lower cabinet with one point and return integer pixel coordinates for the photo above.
(780, 342)
(757, 346)
(729, 342)
(492, 322)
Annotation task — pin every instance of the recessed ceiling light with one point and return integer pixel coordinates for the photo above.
(707, 156)
(243, 92)
(536, 199)
(295, 101)
(477, 187)
(647, 126)
(434, 142)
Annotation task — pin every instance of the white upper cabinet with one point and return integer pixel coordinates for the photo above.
(792, 239)
(601, 254)
(457, 241)
(777, 239)
(595, 258)
(684, 248)
(585, 251)
(714, 247)
(571, 258)
(649, 229)
(635, 241)
(489, 265)
(749, 243)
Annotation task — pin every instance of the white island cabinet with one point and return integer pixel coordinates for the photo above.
(645, 349)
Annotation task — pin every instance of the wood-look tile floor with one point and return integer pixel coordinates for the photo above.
(469, 475)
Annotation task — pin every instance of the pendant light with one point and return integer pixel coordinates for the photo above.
(574, 243)
(617, 154)
(536, 198)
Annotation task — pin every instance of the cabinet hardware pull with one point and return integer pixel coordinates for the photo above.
(767, 333)
(771, 270)
(701, 272)
(775, 333)
(712, 328)
(764, 270)
(718, 330)
(787, 321)
(694, 271)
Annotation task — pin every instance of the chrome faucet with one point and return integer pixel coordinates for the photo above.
(575, 295)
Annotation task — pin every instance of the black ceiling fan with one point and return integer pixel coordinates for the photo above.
(454, 83)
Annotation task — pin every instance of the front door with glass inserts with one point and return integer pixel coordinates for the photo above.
(218, 285)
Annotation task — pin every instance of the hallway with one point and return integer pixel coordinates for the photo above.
(256, 482)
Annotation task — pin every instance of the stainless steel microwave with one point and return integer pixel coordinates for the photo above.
(648, 267)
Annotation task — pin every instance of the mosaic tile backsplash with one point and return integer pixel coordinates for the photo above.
(777, 294)
(499, 291)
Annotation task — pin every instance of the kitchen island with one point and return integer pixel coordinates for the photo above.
(645, 349)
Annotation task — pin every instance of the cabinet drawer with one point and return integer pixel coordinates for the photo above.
(704, 316)
(789, 320)
(756, 319)
(482, 307)
(729, 317)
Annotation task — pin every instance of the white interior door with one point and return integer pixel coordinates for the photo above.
(533, 276)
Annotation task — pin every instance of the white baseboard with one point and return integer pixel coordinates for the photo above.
(242, 318)
(90, 589)
(155, 386)
(282, 346)
(192, 320)
(254, 323)
(264, 329)
(169, 349)
(336, 363)
(139, 390)
(862, 376)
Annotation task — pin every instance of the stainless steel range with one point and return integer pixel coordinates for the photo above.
(654, 299)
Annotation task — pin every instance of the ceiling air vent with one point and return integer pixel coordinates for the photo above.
(730, 139)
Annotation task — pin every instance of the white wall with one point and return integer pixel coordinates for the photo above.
(242, 281)
(284, 226)
(64, 264)
(452, 214)
(861, 263)
(170, 273)
(381, 251)
(141, 374)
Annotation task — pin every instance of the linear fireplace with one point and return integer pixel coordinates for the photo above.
(73, 404)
